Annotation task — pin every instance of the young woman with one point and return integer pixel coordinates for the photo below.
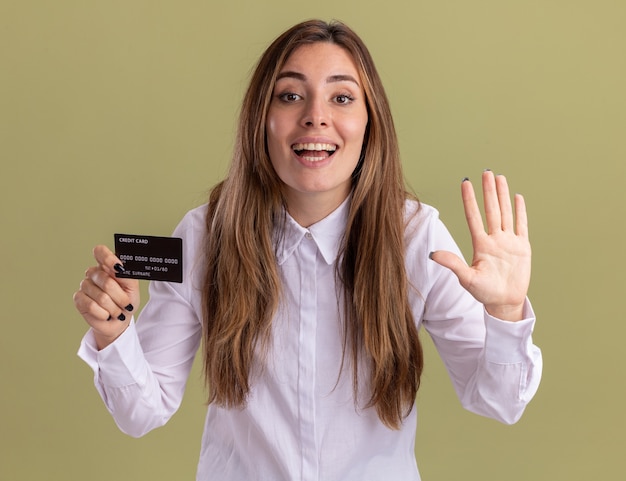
(311, 271)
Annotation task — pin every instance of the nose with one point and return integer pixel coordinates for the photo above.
(315, 113)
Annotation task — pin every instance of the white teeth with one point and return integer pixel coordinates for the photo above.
(314, 146)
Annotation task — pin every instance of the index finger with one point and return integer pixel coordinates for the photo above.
(472, 212)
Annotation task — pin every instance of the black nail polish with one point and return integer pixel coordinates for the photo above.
(119, 268)
(129, 308)
(109, 318)
(465, 179)
(121, 317)
(430, 255)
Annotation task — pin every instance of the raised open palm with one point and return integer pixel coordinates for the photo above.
(499, 273)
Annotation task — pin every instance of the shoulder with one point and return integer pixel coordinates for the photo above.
(196, 215)
(192, 230)
(193, 222)
(418, 216)
(424, 231)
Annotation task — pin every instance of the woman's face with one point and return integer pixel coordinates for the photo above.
(315, 128)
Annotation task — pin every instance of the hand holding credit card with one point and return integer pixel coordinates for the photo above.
(150, 257)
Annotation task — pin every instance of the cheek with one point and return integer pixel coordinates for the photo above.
(275, 128)
(355, 130)
(275, 146)
(272, 141)
(355, 124)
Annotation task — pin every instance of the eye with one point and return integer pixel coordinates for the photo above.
(344, 99)
(289, 97)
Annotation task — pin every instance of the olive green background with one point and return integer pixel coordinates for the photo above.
(117, 116)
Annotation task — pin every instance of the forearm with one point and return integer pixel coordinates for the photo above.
(139, 396)
(499, 378)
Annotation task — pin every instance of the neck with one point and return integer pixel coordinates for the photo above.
(308, 209)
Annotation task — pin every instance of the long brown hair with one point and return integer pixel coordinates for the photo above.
(242, 286)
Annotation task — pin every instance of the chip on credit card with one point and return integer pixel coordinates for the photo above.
(151, 258)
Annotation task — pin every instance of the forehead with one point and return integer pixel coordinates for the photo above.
(322, 57)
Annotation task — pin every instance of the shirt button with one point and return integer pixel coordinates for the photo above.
(308, 235)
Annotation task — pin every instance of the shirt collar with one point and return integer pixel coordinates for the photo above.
(327, 234)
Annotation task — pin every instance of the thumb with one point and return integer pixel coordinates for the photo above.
(453, 262)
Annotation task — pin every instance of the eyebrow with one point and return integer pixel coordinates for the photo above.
(331, 79)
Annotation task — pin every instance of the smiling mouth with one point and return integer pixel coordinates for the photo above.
(314, 152)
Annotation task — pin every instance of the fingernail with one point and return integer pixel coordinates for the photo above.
(121, 317)
(465, 179)
(119, 268)
(109, 318)
(487, 170)
(430, 255)
(129, 308)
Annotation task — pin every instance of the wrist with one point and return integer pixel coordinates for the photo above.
(511, 313)
(104, 340)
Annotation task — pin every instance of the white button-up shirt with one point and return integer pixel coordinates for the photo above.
(301, 421)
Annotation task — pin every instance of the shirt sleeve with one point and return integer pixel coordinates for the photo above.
(141, 376)
(493, 364)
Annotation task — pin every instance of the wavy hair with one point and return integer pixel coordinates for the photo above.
(242, 285)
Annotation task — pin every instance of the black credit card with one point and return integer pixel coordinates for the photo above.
(150, 257)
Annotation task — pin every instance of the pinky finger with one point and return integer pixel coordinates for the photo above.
(521, 218)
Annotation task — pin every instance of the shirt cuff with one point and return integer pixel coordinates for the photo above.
(119, 364)
(509, 342)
